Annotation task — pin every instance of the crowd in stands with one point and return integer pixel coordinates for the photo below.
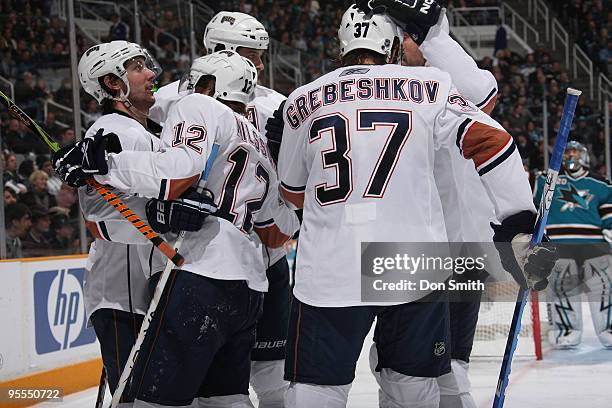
(590, 21)
(41, 214)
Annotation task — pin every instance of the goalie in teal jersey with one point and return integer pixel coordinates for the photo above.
(580, 219)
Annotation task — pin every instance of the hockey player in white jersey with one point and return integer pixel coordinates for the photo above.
(466, 219)
(214, 300)
(118, 76)
(357, 154)
(244, 34)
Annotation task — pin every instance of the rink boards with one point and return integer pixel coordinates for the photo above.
(45, 340)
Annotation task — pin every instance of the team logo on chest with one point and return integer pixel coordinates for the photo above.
(573, 198)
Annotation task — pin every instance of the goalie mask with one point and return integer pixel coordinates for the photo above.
(576, 157)
(375, 32)
(111, 58)
(233, 30)
(235, 76)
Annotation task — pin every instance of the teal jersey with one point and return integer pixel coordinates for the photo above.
(581, 207)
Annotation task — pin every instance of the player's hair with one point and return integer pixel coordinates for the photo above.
(360, 56)
(108, 105)
(235, 106)
(206, 81)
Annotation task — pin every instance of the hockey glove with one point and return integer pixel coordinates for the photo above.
(77, 162)
(415, 17)
(274, 131)
(530, 267)
(67, 165)
(95, 151)
(185, 214)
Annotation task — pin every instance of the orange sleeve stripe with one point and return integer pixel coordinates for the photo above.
(297, 199)
(271, 236)
(488, 108)
(93, 228)
(483, 142)
(178, 186)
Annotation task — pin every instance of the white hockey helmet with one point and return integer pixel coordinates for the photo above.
(232, 30)
(235, 76)
(576, 156)
(110, 58)
(375, 32)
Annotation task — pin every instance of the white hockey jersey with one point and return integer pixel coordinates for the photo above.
(114, 279)
(467, 219)
(116, 272)
(242, 179)
(358, 156)
(262, 106)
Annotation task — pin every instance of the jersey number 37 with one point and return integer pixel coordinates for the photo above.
(336, 125)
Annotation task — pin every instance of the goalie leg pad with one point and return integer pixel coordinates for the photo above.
(598, 280)
(225, 401)
(311, 395)
(455, 387)
(267, 382)
(565, 307)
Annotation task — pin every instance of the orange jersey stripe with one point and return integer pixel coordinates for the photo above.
(297, 199)
(271, 236)
(482, 142)
(178, 186)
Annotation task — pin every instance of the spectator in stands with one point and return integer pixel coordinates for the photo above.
(10, 196)
(18, 222)
(68, 136)
(68, 200)
(92, 112)
(62, 232)
(41, 90)
(51, 125)
(25, 169)
(36, 241)
(38, 194)
(118, 30)
(534, 134)
(11, 178)
(8, 68)
(501, 38)
(64, 93)
(24, 93)
(54, 184)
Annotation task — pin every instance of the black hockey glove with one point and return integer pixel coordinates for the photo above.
(274, 131)
(95, 151)
(530, 267)
(415, 17)
(77, 162)
(185, 214)
(67, 165)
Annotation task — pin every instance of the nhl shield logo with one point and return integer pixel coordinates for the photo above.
(439, 349)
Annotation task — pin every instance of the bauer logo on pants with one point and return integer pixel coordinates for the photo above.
(59, 310)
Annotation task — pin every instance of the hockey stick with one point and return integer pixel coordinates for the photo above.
(101, 389)
(547, 195)
(106, 194)
(159, 289)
